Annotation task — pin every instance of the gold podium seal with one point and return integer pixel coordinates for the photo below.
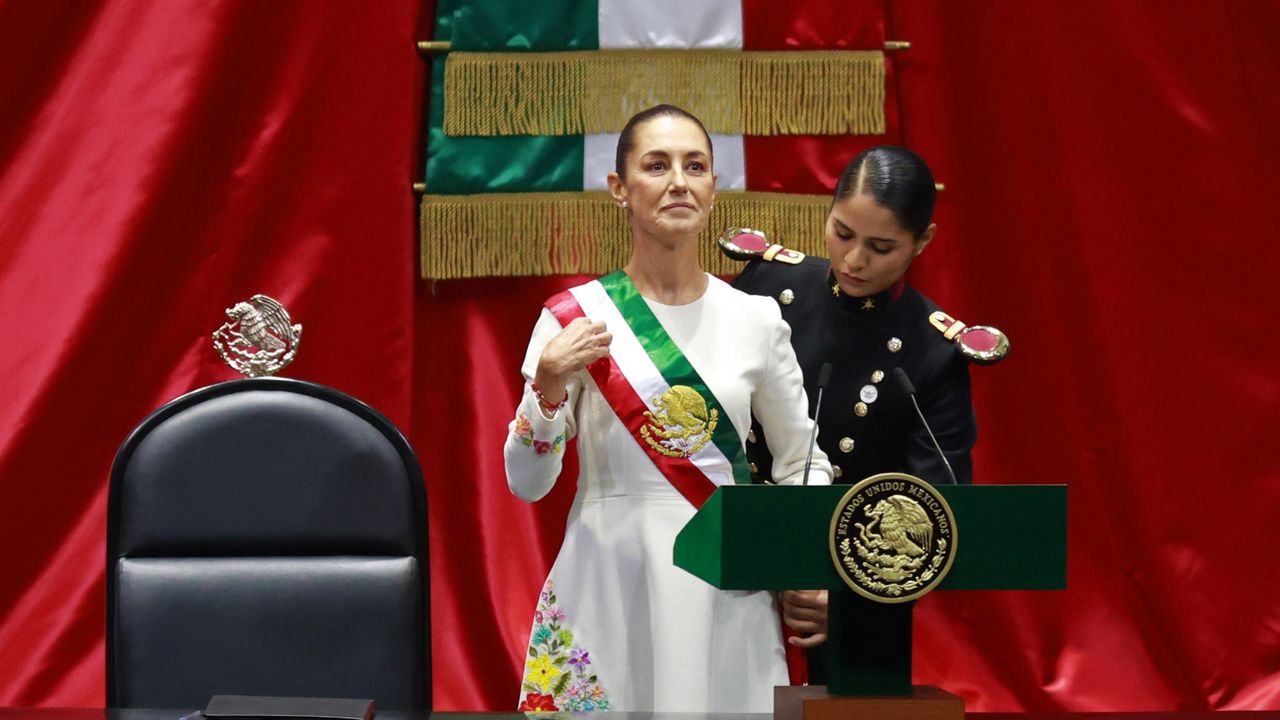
(893, 538)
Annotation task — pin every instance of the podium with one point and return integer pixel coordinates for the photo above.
(765, 537)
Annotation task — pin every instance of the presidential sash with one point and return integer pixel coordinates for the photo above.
(657, 394)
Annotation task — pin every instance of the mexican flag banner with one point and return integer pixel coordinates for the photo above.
(526, 107)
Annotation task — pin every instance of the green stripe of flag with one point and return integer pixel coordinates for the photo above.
(522, 163)
(674, 366)
(513, 163)
(538, 25)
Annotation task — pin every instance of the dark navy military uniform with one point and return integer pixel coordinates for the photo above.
(868, 431)
(868, 425)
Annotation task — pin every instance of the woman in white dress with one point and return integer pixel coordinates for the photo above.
(656, 369)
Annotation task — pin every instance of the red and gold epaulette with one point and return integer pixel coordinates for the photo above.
(982, 344)
(746, 244)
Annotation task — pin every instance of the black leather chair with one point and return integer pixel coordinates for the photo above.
(267, 537)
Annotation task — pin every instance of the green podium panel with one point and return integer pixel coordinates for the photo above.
(764, 537)
(776, 537)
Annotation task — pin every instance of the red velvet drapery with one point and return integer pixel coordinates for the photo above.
(1111, 171)
(160, 161)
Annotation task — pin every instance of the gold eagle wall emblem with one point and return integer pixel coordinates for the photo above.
(681, 424)
(259, 339)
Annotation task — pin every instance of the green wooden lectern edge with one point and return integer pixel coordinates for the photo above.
(757, 537)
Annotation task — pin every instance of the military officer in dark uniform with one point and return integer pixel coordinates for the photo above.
(867, 423)
(854, 311)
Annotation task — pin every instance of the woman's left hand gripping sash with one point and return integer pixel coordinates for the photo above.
(659, 397)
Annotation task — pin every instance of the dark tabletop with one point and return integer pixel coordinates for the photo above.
(151, 714)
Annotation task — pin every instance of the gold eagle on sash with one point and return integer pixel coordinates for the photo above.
(681, 424)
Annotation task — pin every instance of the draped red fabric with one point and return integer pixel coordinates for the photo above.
(160, 161)
(812, 163)
(1111, 169)
(1111, 172)
(810, 24)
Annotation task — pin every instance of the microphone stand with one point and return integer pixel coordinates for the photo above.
(824, 376)
(905, 382)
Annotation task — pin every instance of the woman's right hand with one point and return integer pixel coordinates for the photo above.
(805, 611)
(579, 344)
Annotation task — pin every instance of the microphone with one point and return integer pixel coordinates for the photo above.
(904, 382)
(824, 376)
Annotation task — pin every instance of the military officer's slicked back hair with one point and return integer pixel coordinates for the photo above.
(898, 180)
(627, 140)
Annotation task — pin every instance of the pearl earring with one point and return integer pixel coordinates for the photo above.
(624, 203)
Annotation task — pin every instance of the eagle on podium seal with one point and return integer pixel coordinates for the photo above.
(893, 538)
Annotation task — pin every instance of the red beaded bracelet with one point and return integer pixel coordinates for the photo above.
(542, 399)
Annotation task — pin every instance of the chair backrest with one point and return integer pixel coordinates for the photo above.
(267, 537)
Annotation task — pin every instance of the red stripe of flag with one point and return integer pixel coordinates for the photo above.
(809, 24)
(812, 163)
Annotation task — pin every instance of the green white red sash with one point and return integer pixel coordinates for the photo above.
(642, 367)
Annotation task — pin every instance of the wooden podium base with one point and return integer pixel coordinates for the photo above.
(811, 702)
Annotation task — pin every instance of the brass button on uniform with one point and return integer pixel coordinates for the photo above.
(751, 436)
(835, 469)
(754, 469)
(786, 297)
(860, 409)
(846, 444)
(877, 376)
(894, 344)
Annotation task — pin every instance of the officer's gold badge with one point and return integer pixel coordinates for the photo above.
(681, 425)
(893, 537)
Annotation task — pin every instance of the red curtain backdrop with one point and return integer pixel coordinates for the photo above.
(1111, 172)
(158, 162)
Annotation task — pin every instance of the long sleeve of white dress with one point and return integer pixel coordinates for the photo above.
(782, 407)
(534, 450)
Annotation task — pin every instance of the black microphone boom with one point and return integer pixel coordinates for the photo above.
(824, 375)
(905, 383)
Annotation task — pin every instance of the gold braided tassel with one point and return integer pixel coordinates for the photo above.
(570, 233)
(821, 92)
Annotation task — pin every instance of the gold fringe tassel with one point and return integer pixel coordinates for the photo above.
(823, 92)
(568, 233)
(820, 92)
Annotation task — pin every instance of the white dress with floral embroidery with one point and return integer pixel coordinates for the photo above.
(618, 626)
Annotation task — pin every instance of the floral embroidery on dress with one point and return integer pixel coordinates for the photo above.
(557, 673)
(524, 433)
